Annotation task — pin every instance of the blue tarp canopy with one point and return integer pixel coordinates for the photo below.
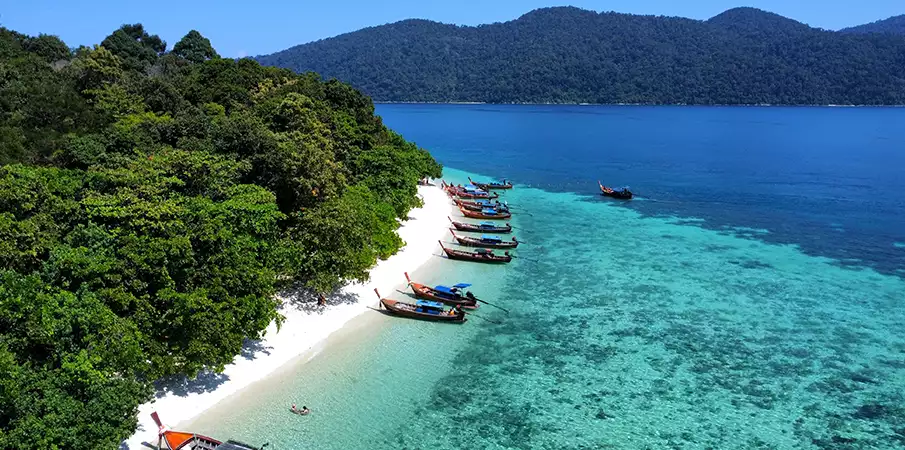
(488, 237)
(462, 285)
(483, 250)
(488, 211)
(484, 202)
(488, 224)
(443, 289)
(429, 304)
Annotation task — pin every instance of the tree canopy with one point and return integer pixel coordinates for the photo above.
(195, 48)
(893, 25)
(151, 204)
(569, 55)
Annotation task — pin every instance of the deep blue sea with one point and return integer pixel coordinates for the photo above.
(831, 180)
(751, 297)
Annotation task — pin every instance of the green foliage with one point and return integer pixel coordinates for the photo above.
(150, 207)
(50, 48)
(195, 48)
(135, 46)
(356, 228)
(569, 55)
(893, 25)
(67, 368)
(95, 68)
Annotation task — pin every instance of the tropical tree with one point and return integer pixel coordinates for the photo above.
(138, 49)
(195, 48)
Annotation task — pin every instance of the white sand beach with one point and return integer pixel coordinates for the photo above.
(306, 325)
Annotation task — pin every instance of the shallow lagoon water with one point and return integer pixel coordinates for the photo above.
(650, 333)
(628, 330)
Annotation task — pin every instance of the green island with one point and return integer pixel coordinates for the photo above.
(744, 56)
(152, 202)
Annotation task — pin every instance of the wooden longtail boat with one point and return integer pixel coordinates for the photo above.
(483, 227)
(491, 185)
(422, 310)
(485, 241)
(607, 191)
(480, 205)
(480, 255)
(490, 214)
(468, 192)
(178, 440)
(464, 194)
(448, 295)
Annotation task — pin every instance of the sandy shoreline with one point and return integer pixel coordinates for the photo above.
(303, 329)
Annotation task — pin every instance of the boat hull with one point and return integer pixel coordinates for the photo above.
(474, 196)
(454, 191)
(479, 215)
(461, 226)
(473, 257)
(408, 310)
(618, 195)
(607, 191)
(472, 242)
(427, 293)
(491, 186)
(472, 206)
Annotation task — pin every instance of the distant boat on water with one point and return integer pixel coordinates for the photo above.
(622, 194)
(491, 185)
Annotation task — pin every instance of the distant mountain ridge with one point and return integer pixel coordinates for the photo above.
(893, 25)
(571, 55)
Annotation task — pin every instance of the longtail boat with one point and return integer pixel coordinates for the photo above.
(490, 214)
(422, 310)
(480, 205)
(485, 241)
(480, 255)
(623, 194)
(475, 194)
(491, 185)
(483, 227)
(179, 440)
(452, 296)
(468, 192)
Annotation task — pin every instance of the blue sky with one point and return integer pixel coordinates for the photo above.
(252, 28)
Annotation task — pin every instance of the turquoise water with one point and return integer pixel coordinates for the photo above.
(631, 327)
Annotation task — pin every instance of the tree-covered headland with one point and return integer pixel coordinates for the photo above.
(151, 204)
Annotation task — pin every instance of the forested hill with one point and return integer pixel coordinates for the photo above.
(893, 25)
(151, 204)
(570, 55)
